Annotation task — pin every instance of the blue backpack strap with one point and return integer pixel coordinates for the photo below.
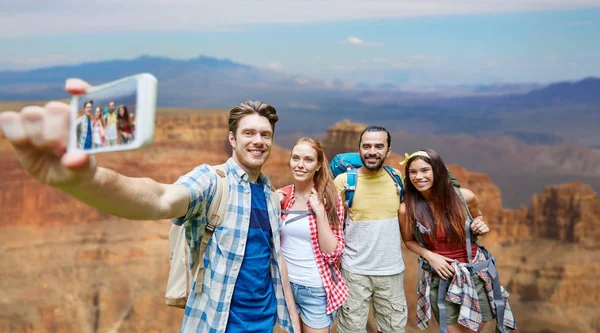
(442, 291)
(471, 237)
(397, 179)
(350, 186)
(489, 264)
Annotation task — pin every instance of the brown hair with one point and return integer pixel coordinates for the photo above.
(125, 119)
(250, 107)
(323, 180)
(450, 215)
(101, 117)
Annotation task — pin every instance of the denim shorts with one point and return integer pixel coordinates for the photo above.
(311, 304)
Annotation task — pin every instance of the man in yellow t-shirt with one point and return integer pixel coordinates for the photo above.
(111, 125)
(372, 263)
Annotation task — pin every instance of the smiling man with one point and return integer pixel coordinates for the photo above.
(84, 126)
(242, 290)
(372, 263)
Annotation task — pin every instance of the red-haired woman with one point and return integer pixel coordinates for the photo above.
(312, 240)
(98, 129)
(440, 222)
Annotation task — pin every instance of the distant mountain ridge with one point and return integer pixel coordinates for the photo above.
(584, 91)
(100, 71)
(558, 112)
(168, 68)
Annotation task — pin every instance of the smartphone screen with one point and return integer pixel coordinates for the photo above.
(115, 116)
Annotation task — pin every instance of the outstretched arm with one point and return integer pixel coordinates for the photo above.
(39, 136)
(132, 198)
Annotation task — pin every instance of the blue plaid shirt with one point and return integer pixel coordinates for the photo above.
(82, 122)
(208, 311)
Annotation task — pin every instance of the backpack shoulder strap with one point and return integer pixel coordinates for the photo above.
(489, 263)
(397, 180)
(350, 187)
(470, 236)
(419, 231)
(215, 215)
(453, 179)
(216, 210)
(299, 213)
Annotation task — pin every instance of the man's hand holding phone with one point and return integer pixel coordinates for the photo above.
(54, 142)
(40, 136)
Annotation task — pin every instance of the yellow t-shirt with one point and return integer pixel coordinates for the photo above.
(111, 119)
(373, 241)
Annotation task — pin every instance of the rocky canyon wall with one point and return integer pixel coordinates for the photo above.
(70, 268)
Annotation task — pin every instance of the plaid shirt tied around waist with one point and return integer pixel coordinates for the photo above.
(461, 290)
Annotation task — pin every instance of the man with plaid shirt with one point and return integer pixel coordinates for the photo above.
(84, 126)
(242, 289)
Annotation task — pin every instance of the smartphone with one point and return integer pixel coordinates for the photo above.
(114, 116)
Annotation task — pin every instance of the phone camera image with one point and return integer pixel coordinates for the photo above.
(114, 116)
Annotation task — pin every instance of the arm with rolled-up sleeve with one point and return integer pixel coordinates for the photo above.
(199, 183)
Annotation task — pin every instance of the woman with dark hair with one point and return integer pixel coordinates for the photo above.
(440, 223)
(312, 240)
(124, 125)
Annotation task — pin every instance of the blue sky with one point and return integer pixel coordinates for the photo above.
(408, 43)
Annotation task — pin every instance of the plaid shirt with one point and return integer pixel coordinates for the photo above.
(336, 293)
(82, 123)
(462, 291)
(208, 311)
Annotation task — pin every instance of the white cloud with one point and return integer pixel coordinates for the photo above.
(276, 66)
(351, 40)
(42, 17)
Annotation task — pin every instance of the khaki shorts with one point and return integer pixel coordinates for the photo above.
(389, 303)
(452, 310)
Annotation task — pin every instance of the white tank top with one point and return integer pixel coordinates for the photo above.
(297, 250)
(96, 138)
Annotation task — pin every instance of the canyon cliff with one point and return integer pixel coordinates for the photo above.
(70, 268)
